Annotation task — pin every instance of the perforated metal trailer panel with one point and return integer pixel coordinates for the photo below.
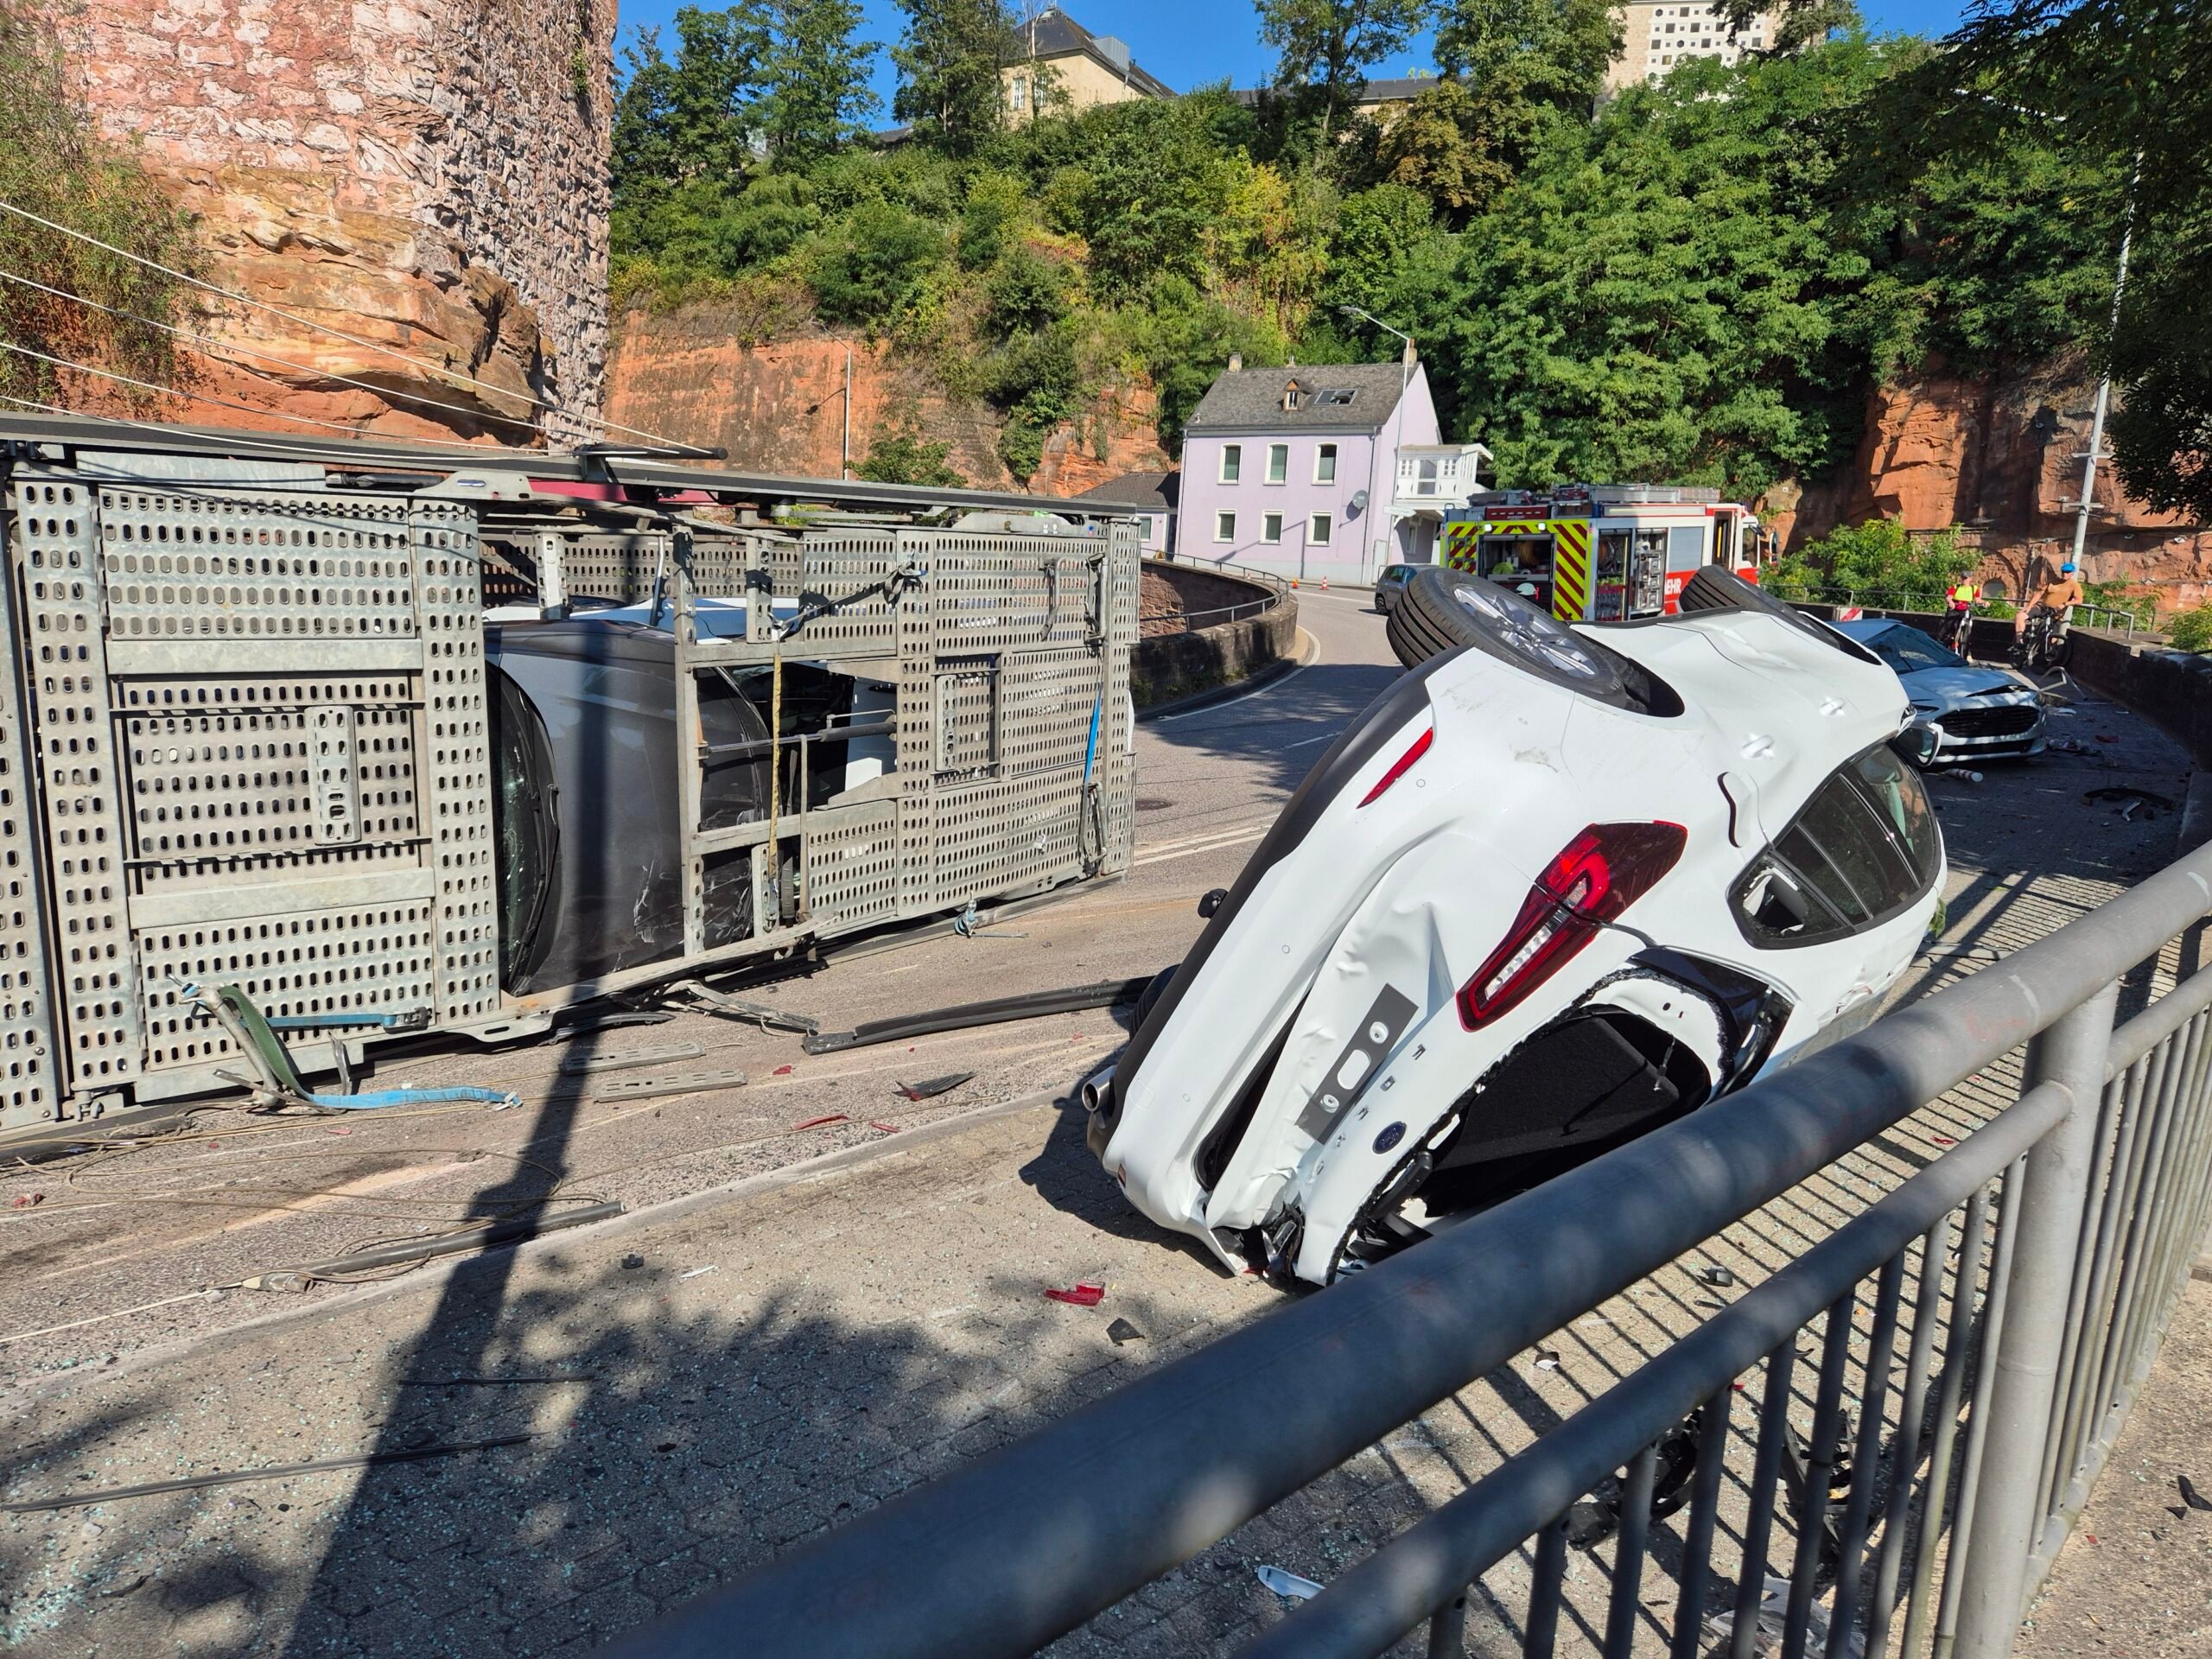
(245, 740)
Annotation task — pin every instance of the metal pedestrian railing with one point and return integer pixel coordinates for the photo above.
(1990, 1319)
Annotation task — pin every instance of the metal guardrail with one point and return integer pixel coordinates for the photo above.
(2067, 1224)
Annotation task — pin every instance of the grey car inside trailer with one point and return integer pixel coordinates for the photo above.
(390, 735)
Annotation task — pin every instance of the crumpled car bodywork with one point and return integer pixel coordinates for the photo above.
(1501, 925)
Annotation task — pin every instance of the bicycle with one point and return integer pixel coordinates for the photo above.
(2044, 644)
(1956, 631)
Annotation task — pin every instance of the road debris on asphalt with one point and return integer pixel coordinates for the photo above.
(929, 1087)
(1121, 1331)
(633, 1260)
(1548, 1359)
(962, 1016)
(689, 1082)
(695, 1272)
(2191, 1497)
(1082, 1295)
(26, 1200)
(710, 1000)
(1289, 1586)
(888, 1128)
(579, 1066)
(1716, 1275)
(817, 1122)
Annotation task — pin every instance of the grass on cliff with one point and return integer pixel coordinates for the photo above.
(54, 164)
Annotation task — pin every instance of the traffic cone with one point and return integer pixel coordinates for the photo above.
(1325, 584)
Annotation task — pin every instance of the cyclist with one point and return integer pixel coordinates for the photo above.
(2058, 597)
(1958, 601)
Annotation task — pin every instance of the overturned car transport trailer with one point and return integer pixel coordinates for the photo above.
(401, 738)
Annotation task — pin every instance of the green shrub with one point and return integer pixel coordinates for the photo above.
(1874, 564)
(2191, 630)
(874, 263)
(899, 456)
(1025, 292)
(991, 217)
(52, 163)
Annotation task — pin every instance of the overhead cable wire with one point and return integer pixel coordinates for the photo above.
(323, 327)
(218, 345)
(476, 450)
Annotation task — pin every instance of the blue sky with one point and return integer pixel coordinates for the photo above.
(1189, 43)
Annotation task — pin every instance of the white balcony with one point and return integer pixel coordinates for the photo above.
(1435, 478)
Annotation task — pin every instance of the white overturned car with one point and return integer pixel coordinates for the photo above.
(1549, 891)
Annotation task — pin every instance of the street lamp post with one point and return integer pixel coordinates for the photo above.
(1370, 317)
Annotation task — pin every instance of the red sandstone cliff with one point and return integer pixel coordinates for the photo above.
(427, 177)
(2001, 457)
(779, 408)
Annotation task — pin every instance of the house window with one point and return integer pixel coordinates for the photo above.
(1324, 464)
(1317, 532)
(1271, 527)
(1144, 526)
(1278, 462)
(1425, 476)
(1336, 397)
(1017, 92)
(1232, 463)
(1225, 526)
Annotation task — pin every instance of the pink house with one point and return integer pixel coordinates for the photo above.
(1303, 471)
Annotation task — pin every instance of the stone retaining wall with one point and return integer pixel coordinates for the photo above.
(1165, 666)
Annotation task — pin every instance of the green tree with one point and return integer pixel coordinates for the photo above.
(949, 61)
(2129, 83)
(818, 77)
(1878, 562)
(1452, 144)
(1329, 45)
(52, 163)
(1549, 53)
(1653, 299)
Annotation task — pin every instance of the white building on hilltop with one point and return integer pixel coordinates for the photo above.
(1656, 38)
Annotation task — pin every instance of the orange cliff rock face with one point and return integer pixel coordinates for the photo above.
(406, 195)
(779, 408)
(2001, 457)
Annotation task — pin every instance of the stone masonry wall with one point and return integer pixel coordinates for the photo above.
(429, 176)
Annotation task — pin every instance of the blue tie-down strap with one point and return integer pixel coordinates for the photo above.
(260, 1037)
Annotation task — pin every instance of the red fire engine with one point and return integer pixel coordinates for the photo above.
(1604, 552)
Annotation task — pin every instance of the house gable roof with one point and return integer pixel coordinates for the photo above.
(1248, 400)
(1055, 34)
(1147, 492)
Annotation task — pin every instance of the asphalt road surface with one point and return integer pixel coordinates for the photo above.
(794, 1323)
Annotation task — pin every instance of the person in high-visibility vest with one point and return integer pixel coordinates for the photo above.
(1959, 602)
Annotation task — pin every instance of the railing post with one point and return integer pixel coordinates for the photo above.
(2054, 1186)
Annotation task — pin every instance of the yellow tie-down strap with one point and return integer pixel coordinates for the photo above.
(1570, 569)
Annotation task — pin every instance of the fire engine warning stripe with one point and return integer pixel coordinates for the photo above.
(1570, 570)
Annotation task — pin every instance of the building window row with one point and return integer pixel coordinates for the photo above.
(1278, 463)
(1320, 527)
